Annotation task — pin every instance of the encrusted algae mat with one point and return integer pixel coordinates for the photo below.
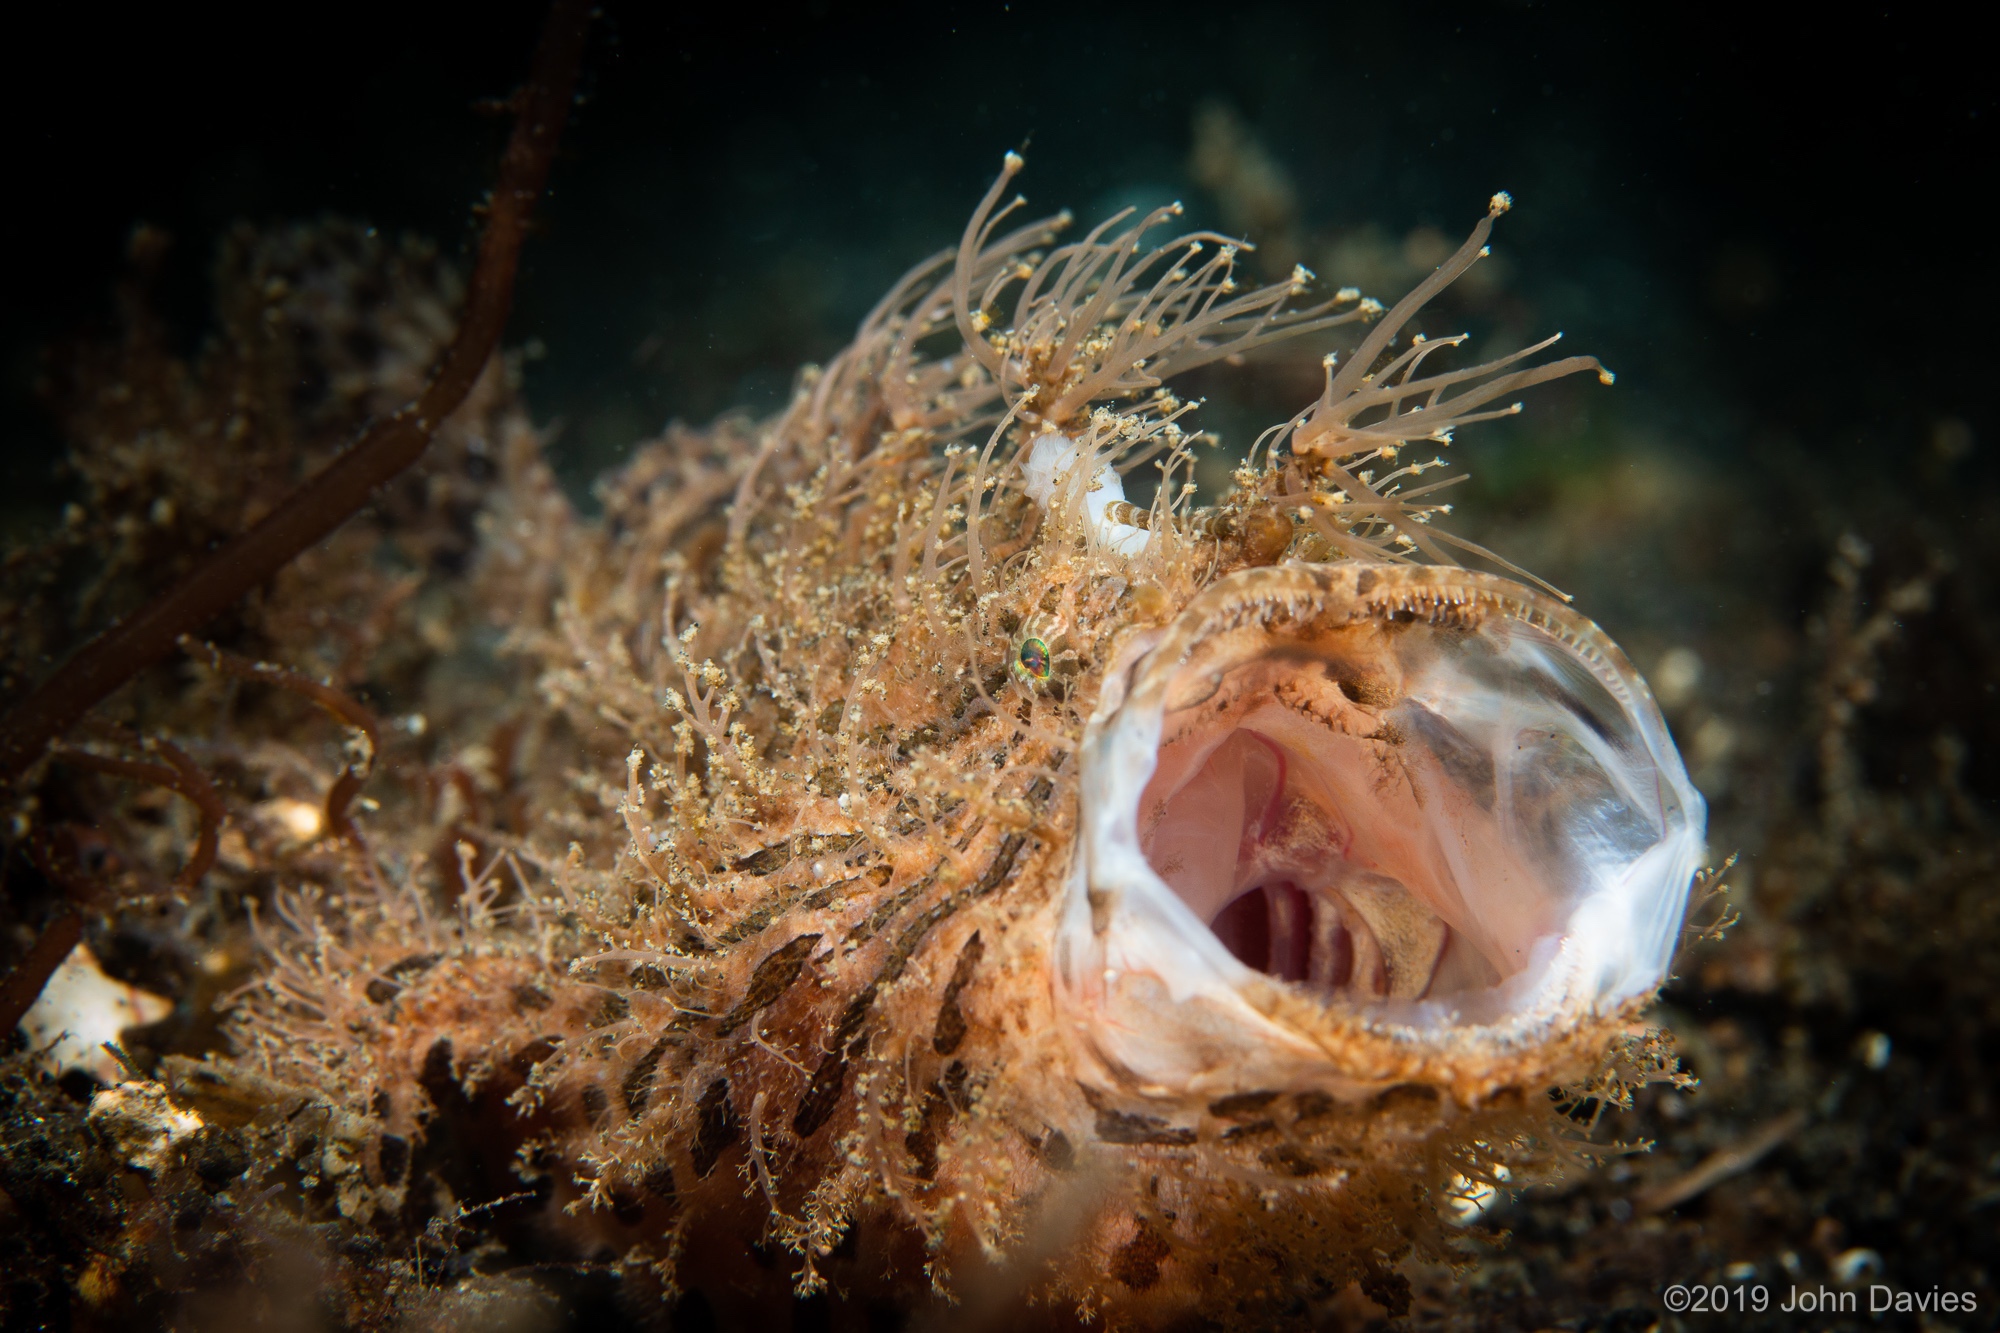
(766, 893)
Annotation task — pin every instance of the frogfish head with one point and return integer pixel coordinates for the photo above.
(1348, 826)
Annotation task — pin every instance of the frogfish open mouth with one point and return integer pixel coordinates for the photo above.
(946, 875)
(1346, 826)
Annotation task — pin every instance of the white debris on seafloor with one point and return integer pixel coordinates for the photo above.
(1467, 1200)
(142, 1123)
(80, 1009)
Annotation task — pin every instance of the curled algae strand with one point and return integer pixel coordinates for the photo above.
(935, 870)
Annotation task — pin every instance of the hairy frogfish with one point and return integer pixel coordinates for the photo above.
(954, 880)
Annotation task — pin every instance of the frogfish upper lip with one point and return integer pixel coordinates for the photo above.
(1360, 823)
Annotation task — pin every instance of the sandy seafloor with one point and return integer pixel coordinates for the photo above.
(1775, 237)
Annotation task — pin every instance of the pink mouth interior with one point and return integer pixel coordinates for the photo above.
(1394, 812)
(1269, 928)
(1309, 864)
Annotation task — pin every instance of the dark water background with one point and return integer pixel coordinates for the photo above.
(1769, 229)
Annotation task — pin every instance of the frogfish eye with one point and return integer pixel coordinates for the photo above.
(1346, 817)
(1032, 660)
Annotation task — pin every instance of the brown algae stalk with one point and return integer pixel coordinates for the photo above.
(323, 503)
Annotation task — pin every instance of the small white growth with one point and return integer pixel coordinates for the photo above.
(1050, 460)
(1850, 1266)
(81, 1009)
(1875, 1050)
(142, 1123)
(1467, 1200)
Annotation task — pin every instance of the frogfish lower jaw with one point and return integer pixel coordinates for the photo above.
(1357, 824)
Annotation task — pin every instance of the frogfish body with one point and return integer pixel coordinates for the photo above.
(963, 880)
